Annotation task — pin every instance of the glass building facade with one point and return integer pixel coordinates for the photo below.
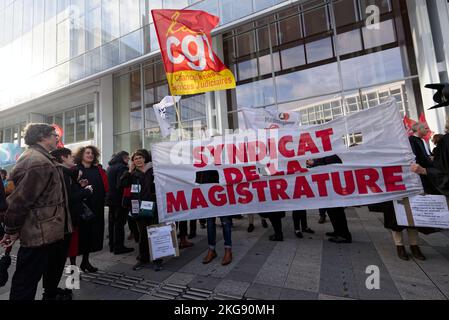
(93, 66)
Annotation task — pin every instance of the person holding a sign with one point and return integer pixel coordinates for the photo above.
(143, 202)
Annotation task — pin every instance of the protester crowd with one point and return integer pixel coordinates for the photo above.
(54, 201)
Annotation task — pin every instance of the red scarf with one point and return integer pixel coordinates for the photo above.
(104, 177)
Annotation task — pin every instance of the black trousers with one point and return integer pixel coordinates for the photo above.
(117, 220)
(57, 257)
(183, 228)
(339, 222)
(300, 220)
(276, 222)
(323, 213)
(31, 265)
(144, 248)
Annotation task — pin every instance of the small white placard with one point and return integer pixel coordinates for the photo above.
(135, 208)
(427, 211)
(135, 188)
(161, 242)
(147, 205)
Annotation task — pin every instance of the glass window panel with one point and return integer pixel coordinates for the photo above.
(81, 120)
(18, 19)
(175, 4)
(293, 57)
(127, 102)
(77, 68)
(377, 37)
(265, 65)
(91, 122)
(63, 40)
(319, 50)
(246, 44)
(110, 16)
(193, 107)
(50, 43)
(148, 6)
(248, 69)
(59, 119)
(93, 61)
(210, 6)
(255, 94)
(129, 141)
(62, 12)
(153, 136)
(131, 46)
(264, 37)
(38, 12)
(161, 92)
(303, 84)
(93, 28)
(233, 10)
(27, 16)
(373, 68)
(110, 54)
(159, 72)
(290, 29)
(8, 135)
(315, 20)
(69, 132)
(38, 49)
(129, 16)
(349, 42)
(263, 4)
(78, 36)
(345, 12)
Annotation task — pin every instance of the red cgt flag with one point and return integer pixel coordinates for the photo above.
(186, 45)
(422, 119)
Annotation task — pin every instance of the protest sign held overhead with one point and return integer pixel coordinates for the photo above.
(186, 45)
(269, 171)
(268, 118)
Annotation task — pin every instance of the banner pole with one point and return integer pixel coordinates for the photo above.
(178, 115)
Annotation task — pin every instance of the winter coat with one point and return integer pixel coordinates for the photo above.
(38, 207)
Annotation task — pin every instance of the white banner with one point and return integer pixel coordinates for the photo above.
(266, 171)
(160, 110)
(268, 118)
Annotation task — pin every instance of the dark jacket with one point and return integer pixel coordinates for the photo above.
(114, 172)
(146, 182)
(3, 204)
(77, 195)
(38, 207)
(424, 161)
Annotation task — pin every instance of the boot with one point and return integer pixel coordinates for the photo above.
(402, 253)
(227, 259)
(184, 243)
(417, 253)
(211, 255)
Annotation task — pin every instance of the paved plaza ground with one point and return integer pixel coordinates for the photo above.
(296, 269)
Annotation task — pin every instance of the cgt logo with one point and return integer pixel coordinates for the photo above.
(284, 116)
(191, 46)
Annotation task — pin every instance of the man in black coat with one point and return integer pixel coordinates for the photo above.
(337, 216)
(117, 213)
(422, 153)
(3, 205)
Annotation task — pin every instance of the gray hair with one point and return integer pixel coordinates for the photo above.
(36, 132)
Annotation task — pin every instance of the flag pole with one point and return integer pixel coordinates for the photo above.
(177, 114)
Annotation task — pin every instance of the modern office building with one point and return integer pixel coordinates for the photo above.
(93, 66)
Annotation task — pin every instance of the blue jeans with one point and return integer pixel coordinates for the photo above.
(212, 232)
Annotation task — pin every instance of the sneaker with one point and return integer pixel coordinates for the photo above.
(250, 228)
(299, 234)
